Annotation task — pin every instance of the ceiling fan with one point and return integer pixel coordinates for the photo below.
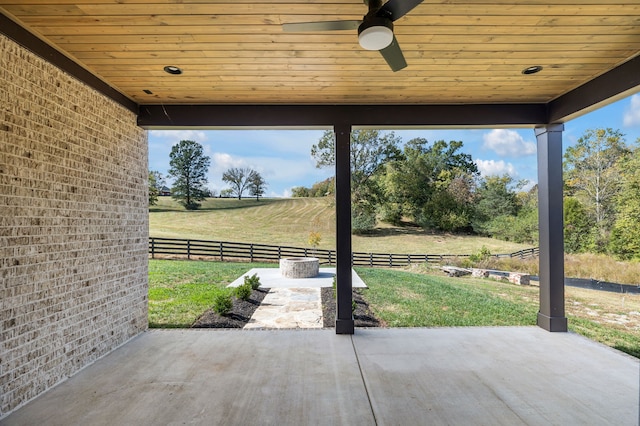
(375, 30)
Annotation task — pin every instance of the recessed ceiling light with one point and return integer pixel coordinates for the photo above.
(172, 70)
(532, 70)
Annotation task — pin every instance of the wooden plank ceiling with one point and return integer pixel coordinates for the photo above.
(235, 52)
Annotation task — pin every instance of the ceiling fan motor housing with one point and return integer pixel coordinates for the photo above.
(375, 32)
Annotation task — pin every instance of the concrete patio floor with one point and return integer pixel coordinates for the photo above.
(416, 376)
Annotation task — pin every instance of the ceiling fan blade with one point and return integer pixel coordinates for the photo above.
(393, 55)
(321, 26)
(396, 9)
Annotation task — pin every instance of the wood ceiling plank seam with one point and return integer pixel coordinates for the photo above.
(442, 57)
(211, 31)
(440, 10)
(480, 47)
(293, 39)
(556, 21)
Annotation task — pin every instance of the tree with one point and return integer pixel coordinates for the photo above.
(156, 182)
(625, 234)
(239, 179)
(257, 185)
(300, 191)
(578, 227)
(323, 188)
(189, 168)
(592, 175)
(370, 150)
(433, 184)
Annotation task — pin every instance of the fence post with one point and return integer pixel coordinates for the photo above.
(221, 252)
(279, 252)
(391, 260)
(153, 248)
(189, 249)
(371, 259)
(251, 252)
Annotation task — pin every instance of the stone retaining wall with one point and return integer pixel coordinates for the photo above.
(73, 225)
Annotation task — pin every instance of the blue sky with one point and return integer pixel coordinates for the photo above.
(283, 156)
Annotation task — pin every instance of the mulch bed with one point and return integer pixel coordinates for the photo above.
(243, 310)
(362, 315)
(239, 316)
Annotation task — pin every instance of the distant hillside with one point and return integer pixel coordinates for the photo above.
(288, 221)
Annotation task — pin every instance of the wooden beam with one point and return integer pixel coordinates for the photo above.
(372, 116)
(614, 85)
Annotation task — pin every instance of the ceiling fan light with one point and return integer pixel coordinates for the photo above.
(375, 33)
(375, 38)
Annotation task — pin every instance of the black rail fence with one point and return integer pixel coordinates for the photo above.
(233, 251)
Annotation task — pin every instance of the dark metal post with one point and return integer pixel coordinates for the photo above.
(344, 315)
(551, 315)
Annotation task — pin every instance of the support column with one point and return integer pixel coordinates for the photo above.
(344, 315)
(551, 315)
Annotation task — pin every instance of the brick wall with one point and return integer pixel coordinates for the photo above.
(73, 225)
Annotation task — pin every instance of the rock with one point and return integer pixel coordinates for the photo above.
(454, 271)
(519, 278)
(479, 273)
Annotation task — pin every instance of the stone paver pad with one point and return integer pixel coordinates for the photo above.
(288, 308)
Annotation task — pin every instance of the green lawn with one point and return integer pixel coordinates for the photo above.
(181, 290)
(289, 221)
(404, 299)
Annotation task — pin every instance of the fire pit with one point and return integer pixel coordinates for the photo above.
(299, 267)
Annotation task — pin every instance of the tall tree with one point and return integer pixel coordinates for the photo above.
(239, 179)
(156, 182)
(497, 197)
(370, 150)
(625, 234)
(189, 168)
(433, 184)
(503, 211)
(578, 227)
(257, 185)
(592, 175)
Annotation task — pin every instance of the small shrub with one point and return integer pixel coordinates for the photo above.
(244, 291)
(252, 281)
(222, 303)
(314, 239)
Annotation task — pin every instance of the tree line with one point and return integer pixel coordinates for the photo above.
(438, 187)
(189, 167)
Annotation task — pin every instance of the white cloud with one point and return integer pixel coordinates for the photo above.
(496, 168)
(632, 114)
(508, 143)
(175, 136)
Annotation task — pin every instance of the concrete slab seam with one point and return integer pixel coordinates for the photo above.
(364, 382)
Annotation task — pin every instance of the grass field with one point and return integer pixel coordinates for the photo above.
(289, 221)
(181, 290)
